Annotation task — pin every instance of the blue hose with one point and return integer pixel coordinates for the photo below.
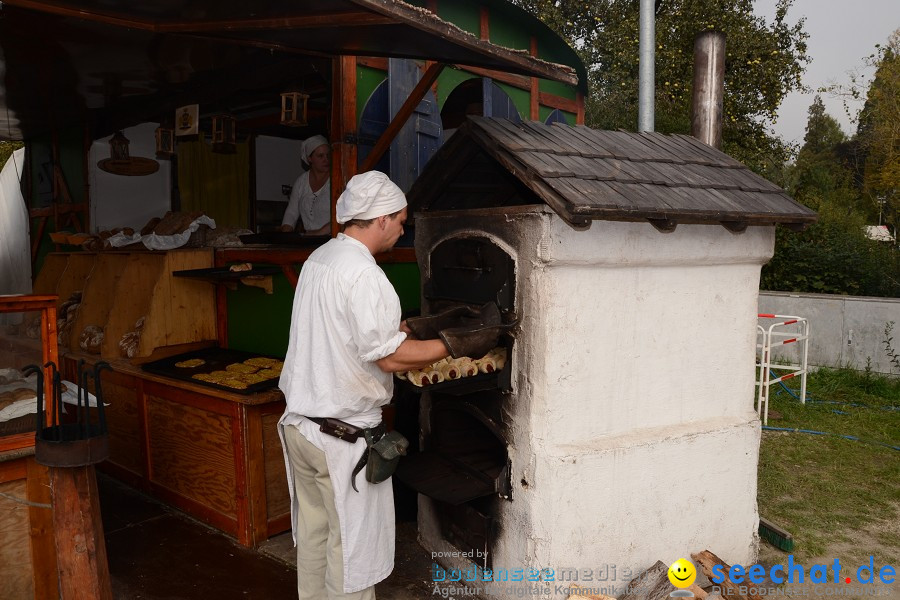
(814, 401)
(813, 432)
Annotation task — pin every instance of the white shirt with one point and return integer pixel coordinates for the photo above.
(346, 316)
(312, 207)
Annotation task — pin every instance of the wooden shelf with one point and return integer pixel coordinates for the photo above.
(260, 277)
(118, 288)
(175, 311)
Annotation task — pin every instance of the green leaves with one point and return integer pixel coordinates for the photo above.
(832, 257)
(764, 62)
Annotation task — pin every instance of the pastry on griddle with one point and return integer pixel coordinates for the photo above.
(268, 373)
(191, 363)
(242, 368)
(418, 378)
(467, 366)
(262, 362)
(249, 378)
(234, 383)
(204, 377)
(487, 364)
(450, 371)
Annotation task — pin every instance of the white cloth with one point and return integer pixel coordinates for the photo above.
(346, 316)
(369, 195)
(15, 248)
(312, 207)
(153, 241)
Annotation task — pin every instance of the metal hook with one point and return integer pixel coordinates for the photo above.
(28, 370)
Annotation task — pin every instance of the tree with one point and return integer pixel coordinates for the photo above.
(820, 177)
(764, 61)
(834, 255)
(879, 130)
(6, 150)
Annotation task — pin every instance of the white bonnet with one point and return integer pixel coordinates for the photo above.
(369, 195)
(309, 146)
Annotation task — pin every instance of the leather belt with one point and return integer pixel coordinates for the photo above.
(344, 431)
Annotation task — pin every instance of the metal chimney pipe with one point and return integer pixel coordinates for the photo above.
(647, 73)
(709, 87)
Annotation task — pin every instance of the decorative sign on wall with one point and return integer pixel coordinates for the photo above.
(187, 119)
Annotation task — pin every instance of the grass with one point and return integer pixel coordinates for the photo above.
(827, 490)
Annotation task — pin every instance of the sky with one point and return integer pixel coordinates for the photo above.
(841, 34)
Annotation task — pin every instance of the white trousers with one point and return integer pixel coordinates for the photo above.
(319, 555)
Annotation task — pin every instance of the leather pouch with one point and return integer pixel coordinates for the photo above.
(384, 455)
(339, 429)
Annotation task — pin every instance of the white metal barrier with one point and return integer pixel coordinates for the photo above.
(788, 330)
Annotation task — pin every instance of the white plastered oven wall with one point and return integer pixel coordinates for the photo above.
(632, 431)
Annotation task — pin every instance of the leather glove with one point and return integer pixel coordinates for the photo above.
(473, 342)
(428, 328)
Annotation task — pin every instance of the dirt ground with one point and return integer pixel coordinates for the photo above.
(880, 540)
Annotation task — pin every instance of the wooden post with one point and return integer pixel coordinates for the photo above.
(43, 551)
(343, 129)
(80, 548)
(534, 105)
(484, 24)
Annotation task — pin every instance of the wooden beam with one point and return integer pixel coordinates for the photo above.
(80, 548)
(254, 43)
(43, 546)
(554, 101)
(86, 173)
(399, 120)
(320, 21)
(534, 96)
(484, 23)
(63, 209)
(65, 11)
(337, 19)
(373, 62)
(343, 129)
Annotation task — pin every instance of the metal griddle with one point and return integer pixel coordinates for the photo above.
(458, 387)
(216, 360)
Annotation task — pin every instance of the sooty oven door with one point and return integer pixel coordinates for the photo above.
(464, 464)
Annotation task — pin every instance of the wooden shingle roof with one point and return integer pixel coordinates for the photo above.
(585, 174)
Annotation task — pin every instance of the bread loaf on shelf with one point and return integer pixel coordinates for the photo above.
(91, 339)
(128, 345)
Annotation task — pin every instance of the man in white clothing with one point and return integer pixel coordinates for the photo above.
(346, 340)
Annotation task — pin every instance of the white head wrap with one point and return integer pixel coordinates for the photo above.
(309, 146)
(369, 195)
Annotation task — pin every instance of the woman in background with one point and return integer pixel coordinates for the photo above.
(311, 195)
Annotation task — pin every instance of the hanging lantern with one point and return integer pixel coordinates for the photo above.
(120, 162)
(223, 134)
(293, 109)
(118, 147)
(165, 142)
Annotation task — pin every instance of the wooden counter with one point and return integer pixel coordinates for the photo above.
(215, 455)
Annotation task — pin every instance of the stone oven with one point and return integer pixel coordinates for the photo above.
(621, 430)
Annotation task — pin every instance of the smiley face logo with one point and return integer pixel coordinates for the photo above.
(682, 573)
